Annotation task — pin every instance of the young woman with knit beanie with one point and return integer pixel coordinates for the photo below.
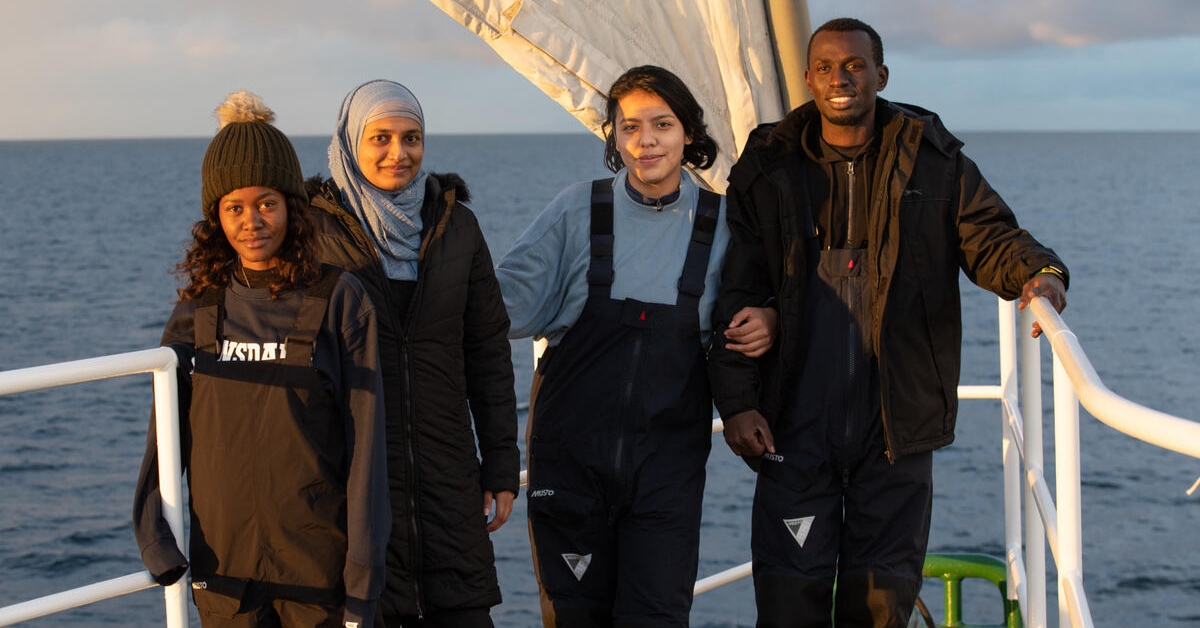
(445, 358)
(281, 404)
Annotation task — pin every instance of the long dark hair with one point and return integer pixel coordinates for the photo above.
(655, 80)
(210, 257)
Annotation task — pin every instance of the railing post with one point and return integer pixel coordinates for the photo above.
(170, 482)
(1035, 532)
(1067, 488)
(1011, 457)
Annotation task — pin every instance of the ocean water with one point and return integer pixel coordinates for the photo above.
(90, 229)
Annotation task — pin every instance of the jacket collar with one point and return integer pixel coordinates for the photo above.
(798, 129)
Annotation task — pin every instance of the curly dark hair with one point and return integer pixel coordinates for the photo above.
(210, 257)
(701, 152)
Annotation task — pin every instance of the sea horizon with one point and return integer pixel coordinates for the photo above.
(89, 230)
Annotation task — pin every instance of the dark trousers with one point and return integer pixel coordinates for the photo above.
(865, 528)
(259, 610)
(640, 556)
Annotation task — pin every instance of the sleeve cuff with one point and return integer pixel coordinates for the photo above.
(359, 613)
(164, 561)
(1051, 269)
(500, 476)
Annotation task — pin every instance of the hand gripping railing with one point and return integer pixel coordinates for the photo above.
(162, 363)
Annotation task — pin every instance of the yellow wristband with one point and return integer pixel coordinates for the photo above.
(1051, 270)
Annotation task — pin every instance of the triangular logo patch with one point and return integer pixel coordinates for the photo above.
(799, 528)
(578, 564)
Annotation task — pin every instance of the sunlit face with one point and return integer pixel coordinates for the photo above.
(650, 139)
(390, 152)
(254, 220)
(843, 78)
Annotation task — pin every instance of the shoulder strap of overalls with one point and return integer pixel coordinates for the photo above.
(303, 336)
(695, 264)
(207, 321)
(600, 269)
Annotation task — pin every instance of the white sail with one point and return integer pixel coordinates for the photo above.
(573, 50)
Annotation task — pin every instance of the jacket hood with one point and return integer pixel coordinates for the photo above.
(450, 180)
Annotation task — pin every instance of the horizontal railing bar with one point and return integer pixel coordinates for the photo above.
(74, 598)
(980, 392)
(80, 371)
(1016, 573)
(1157, 428)
(1077, 604)
(722, 578)
(1045, 505)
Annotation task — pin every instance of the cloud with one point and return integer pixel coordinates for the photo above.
(949, 28)
(89, 64)
(146, 68)
(1052, 34)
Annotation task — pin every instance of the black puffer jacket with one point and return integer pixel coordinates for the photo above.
(932, 213)
(447, 362)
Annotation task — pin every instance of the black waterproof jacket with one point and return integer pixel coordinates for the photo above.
(932, 213)
(446, 363)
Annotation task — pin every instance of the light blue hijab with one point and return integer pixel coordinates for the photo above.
(392, 219)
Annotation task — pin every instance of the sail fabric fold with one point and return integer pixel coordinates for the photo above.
(573, 50)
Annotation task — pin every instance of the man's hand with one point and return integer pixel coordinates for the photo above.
(504, 506)
(747, 434)
(1043, 285)
(752, 331)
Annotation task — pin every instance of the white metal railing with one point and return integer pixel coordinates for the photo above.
(1057, 521)
(161, 363)
(1033, 519)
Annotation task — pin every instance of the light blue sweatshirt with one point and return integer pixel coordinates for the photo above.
(544, 275)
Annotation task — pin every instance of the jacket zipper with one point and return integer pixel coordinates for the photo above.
(409, 450)
(413, 500)
(850, 203)
(413, 523)
(850, 328)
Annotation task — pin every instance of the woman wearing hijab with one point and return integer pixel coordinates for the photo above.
(445, 358)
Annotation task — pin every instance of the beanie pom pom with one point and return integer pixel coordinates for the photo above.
(243, 106)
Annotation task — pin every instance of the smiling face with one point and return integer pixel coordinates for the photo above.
(390, 152)
(254, 220)
(650, 139)
(843, 80)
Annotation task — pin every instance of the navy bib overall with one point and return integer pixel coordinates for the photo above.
(267, 474)
(619, 432)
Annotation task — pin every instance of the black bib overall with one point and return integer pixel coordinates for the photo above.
(829, 504)
(267, 472)
(619, 433)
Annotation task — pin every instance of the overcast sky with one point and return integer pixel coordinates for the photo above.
(148, 68)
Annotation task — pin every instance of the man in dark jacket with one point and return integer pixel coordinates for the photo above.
(852, 216)
(444, 357)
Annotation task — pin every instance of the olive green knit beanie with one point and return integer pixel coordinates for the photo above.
(247, 151)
